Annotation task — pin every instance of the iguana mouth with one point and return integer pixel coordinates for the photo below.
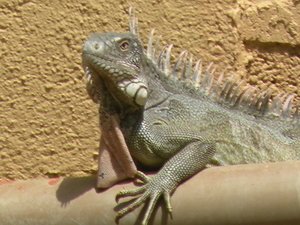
(106, 67)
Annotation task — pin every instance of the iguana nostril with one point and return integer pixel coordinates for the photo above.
(96, 46)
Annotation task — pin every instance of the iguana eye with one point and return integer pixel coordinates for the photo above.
(124, 46)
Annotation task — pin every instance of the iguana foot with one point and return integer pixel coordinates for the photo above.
(150, 190)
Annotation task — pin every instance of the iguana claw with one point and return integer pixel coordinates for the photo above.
(148, 191)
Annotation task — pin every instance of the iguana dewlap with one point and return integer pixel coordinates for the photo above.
(115, 162)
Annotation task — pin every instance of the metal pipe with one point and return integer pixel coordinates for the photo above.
(243, 194)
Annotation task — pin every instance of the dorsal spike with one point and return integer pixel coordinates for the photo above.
(189, 73)
(217, 85)
(206, 78)
(150, 45)
(160, 58)
(183, 68)
(176, 67)
(256, 101)
(196, 75)
(168, 59)
(231, 86)
(287, 107)
(210, 79)
(262, 108)
(279, 104)
(226, 87)
(155, 49)
(296, 114)
(246, 102)
(133, 22)
(213, 70)
(265, 103)
(274, 104)
(235, 94)
(241, 97)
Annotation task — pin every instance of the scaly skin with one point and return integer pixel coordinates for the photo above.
(180, 129)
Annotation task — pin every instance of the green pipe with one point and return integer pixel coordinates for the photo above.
(242, 194)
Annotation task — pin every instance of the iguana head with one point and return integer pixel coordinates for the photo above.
(116, 59)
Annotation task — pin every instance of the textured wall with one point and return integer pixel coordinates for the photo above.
(49, 126)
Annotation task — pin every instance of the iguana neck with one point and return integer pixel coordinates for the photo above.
(157, 91)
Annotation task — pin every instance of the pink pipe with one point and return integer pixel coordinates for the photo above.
(243, 194)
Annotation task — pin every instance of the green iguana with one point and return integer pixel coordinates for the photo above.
(169, 118)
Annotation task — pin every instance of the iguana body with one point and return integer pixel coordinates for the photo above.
(181, 125)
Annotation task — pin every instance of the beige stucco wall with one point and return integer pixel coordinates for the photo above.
(49, 126)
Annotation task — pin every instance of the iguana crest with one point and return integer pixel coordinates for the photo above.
(193, 80)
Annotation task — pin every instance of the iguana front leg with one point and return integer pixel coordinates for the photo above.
(185, 163)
